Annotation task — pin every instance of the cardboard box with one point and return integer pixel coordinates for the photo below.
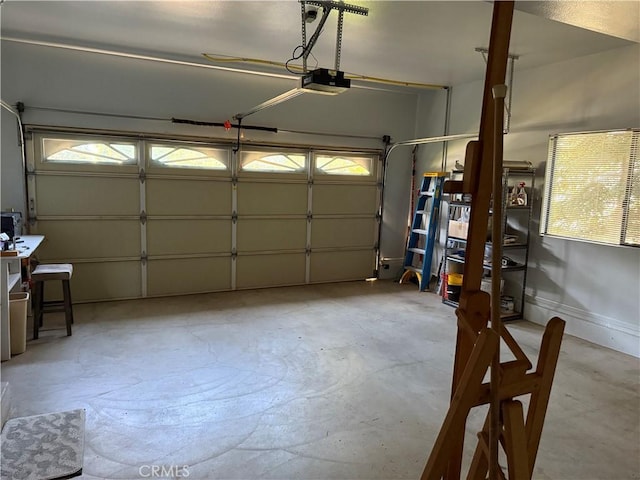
(485, 286)
(458, 229)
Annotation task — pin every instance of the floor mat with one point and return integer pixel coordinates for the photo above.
(43, 447)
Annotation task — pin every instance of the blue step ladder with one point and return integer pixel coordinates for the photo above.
(424, 227)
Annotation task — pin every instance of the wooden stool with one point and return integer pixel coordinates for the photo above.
(43, 273)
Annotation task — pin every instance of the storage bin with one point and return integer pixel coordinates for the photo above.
(486, 285)
(18, 321)
(453, 292)
(455, 279)
(506, 304)
(458, 229)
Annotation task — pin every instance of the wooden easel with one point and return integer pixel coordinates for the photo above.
(477, 346)
(518, 436)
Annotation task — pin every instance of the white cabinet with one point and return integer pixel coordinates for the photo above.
(11, 278)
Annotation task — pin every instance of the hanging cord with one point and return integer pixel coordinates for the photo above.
(294, 57)
(220, 124)
(18, 114)
(194, 122)
(386, 140)
(20, 108)
(295, 69)
(237, 147)
(414, 158)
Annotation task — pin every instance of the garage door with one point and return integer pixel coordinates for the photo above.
(344, 230)
(85, 196)
(142, 218)
(186, 218)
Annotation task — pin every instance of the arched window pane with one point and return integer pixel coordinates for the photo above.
(274, 162)
(342, 165)
(189, 157)
(61, 150)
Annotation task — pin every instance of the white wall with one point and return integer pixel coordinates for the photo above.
(11, 176)
(429, 122)
(595, 288)
(64, 79)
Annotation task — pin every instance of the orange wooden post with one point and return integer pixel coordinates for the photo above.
(520, 439)
(515, 440)
(546, 369)
(463, 400)
(477, 182)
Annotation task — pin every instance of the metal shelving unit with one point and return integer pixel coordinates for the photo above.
(516, 227)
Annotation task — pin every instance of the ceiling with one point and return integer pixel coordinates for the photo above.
(415, 41)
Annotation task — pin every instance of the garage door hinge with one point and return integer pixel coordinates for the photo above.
(234, 217)
(378, 216)
(309, 216)
(142, 175)
(310, 182)
(234, 254)
(143, 217)
(308, 251)
(144, 258)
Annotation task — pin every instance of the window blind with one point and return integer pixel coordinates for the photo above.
(632, 219)
(592, 189)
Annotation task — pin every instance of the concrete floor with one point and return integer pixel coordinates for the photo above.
(341, 381)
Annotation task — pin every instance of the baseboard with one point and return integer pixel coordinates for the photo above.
(599, 329)
(391, 268)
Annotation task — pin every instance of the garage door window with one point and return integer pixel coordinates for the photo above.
(93, 152)
(344, 165)
(279, 162)
(179, 156)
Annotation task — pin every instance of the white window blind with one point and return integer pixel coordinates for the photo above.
(632, 219)
(592, 187)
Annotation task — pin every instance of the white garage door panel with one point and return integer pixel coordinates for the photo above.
(350, 265)
(105, 281)
(66, 240)
(170, 237)
(270, 270)
(201, 232)
(343, 232)
(344, 199)
(188, 197)
(68, 195)
(189, 275)
(272, 198)
(267, 235)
